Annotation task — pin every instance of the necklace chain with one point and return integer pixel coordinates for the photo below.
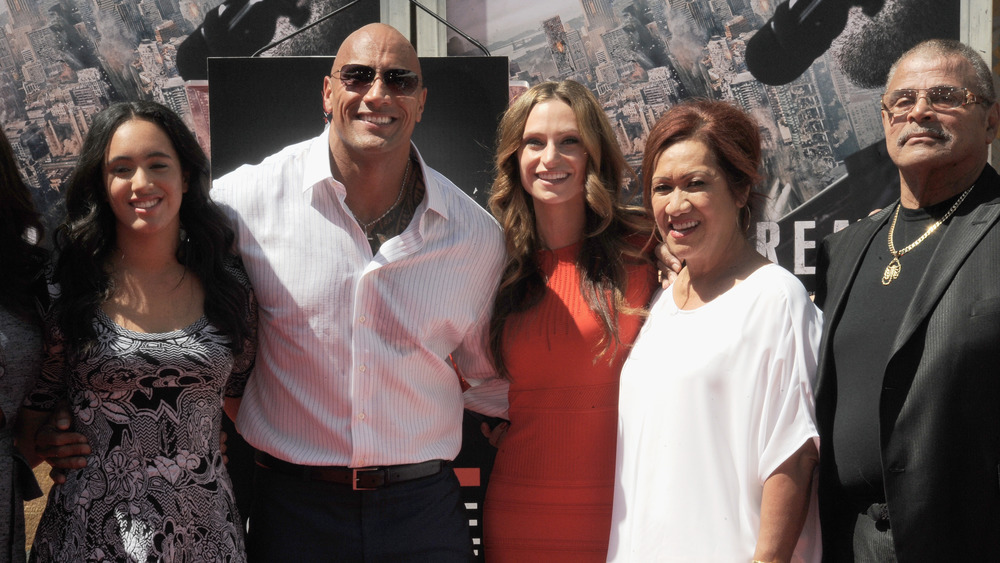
(399, 197)
(894, 267)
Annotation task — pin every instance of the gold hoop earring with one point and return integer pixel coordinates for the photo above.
(746, 223)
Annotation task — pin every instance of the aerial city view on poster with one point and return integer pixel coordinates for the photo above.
(809, 72)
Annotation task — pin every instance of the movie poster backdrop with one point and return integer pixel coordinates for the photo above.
(809, 71)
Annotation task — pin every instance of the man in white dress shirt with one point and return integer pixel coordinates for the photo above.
(370, 270)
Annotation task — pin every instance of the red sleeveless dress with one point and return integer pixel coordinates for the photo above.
(551, 490)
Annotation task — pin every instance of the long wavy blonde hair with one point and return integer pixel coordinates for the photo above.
(610, 230)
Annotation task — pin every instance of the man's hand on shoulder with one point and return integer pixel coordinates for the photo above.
(60, 447)
(668, 264)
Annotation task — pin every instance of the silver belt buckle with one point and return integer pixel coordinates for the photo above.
(357, 472)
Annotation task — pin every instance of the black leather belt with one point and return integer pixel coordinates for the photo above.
(359, 478)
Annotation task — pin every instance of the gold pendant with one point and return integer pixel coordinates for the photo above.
(891, 271)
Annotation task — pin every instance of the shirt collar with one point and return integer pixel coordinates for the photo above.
(435, 198)
(317, 170)
(317, 165)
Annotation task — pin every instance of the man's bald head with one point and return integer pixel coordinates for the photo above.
(375, 37)
(374, 108)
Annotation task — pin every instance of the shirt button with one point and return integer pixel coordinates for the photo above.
(361, 416)
(363, 319)
(363, 368)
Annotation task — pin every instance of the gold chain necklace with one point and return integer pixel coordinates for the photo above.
(399, 197)
(892, 270)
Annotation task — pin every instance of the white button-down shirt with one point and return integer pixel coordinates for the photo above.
(352, 365)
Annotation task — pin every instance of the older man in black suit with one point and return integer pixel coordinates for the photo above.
(908, 398)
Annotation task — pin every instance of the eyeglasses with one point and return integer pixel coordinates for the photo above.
(399, 81)
(901, 102)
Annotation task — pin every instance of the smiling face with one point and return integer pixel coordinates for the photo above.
(372, 120)
(144, 180)
(925, 139)
(552, 158)
(694, 208)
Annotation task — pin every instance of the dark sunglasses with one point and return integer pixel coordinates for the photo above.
(399, 81)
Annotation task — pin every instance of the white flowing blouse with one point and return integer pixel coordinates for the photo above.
(712, 401)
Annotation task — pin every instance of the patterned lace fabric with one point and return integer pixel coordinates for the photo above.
(155, 487)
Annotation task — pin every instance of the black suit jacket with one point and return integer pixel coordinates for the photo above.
(939, 410)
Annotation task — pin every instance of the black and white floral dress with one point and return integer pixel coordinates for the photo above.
(155, 487)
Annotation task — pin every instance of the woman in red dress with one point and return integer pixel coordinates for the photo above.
(569, 306)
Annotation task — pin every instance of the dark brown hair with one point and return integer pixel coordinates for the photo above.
(87, 237)
(22, 285)
(606, 248)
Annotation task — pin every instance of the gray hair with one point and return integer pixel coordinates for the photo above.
(951, 48)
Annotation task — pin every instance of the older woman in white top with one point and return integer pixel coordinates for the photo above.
(717, 439)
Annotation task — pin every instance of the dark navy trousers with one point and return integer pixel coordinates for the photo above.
(302, 521)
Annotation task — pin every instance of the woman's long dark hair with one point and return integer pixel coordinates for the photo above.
(610, 224)
(22, 259)
(87, 237)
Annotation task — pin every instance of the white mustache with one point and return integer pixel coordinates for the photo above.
(934, 133)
